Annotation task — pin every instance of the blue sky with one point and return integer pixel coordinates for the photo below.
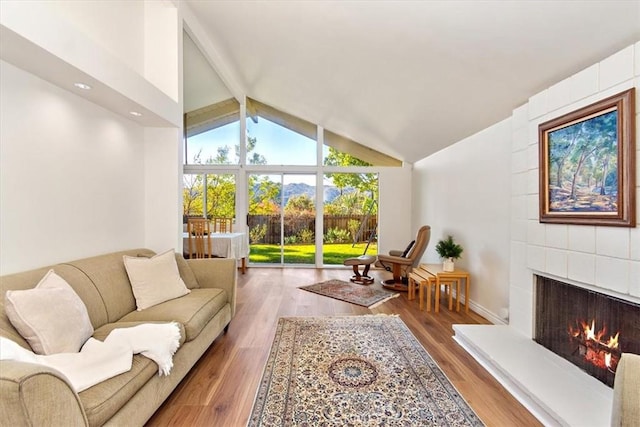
(278, 145)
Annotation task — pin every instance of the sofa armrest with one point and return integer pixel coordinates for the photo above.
(36, 395)
(217, 273)
(626, 392)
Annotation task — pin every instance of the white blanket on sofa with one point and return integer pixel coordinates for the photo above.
(98, 361)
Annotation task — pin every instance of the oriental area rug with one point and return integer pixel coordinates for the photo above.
(355, 371)
(366, 296)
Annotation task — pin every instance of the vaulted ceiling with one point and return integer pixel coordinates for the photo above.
(409, 78)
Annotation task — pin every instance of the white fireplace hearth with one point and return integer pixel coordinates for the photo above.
(598, 258)
(554, 390)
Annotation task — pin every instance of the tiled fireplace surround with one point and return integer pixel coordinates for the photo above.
(604, 259)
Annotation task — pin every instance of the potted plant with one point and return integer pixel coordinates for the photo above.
(448, 251)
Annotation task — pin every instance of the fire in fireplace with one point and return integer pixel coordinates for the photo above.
(591, 345)
(588, 328)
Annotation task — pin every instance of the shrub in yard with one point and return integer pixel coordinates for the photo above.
(336, 235)
(354, 226)
(291, 240)
(257, 233)
(306, 236)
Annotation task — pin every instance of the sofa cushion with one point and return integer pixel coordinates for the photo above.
(51, 316)
(108, 275)
(187, 275)
(154, 280)
(193, 310)
(104, 399)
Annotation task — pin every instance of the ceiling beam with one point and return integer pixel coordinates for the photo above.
(211, 117)
(303, 127)
(358, 150)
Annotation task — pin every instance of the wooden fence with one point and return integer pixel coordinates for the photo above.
(266, 228)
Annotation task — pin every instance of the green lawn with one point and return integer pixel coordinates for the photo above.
(305, 254)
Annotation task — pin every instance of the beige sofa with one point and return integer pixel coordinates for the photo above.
(34, 395)
(626, 392)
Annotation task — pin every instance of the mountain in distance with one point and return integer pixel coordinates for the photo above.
(296, 189)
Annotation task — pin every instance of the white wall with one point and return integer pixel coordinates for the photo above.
(464, 191)
(163, 195)
(115, 25)
(141, 34)
(78, 179)
(162, 46)
(72, 182)
(394, 216)
(606, 259)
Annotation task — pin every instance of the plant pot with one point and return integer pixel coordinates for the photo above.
(447, 265)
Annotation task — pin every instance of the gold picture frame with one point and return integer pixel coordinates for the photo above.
(587, 164)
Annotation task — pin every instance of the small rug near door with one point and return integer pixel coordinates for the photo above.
(366, 296)
(356, 370)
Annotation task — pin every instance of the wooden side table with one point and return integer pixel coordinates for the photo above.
(423, 279)
(443, 277)
(420, 278)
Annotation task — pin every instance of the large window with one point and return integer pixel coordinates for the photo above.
(281, 218)
(212, 134)
(209, 195)
(277, 138)
(350, 216)
(278, 179)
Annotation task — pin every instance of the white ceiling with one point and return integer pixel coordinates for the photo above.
(409, 78)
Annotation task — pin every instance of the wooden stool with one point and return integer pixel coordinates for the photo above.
(366, 260)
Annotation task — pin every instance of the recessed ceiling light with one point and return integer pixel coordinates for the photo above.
(82, 86)
(135, 113)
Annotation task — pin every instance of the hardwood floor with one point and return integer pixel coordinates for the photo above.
(220, 389)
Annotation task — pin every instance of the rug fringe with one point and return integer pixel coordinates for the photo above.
(383, 301)
(373, 315)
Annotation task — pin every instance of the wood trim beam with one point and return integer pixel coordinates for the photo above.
(359, 151)
(303, 127)
(212, 116)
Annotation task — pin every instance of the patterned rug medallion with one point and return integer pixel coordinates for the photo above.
(365, 295)
(356, 371)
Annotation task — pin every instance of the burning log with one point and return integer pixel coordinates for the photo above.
(604, 355)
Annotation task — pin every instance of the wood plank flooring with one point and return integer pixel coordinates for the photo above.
(220, 389)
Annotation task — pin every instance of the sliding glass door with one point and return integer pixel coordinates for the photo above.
(281, 219)
(350, 216)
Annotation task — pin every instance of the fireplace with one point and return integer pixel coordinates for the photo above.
(588, 328)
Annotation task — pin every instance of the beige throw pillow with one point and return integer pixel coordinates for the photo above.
(154, 280)
(51, 316)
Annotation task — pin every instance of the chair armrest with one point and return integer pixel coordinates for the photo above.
(626, 392)
(36, 395)
(217, 273)
(394, 260)
(395, 252)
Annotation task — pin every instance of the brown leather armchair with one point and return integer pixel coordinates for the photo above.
(400, 263)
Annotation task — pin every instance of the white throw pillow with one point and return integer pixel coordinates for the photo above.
(154, 280)
(51, 316)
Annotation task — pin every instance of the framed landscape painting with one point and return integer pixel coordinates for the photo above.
(587, 164)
